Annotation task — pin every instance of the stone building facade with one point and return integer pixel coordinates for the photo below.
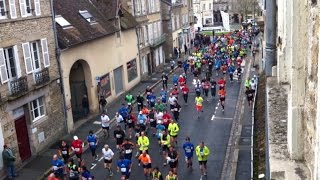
(149, 33)
(31, 109)
(177, 20)
(298, 73)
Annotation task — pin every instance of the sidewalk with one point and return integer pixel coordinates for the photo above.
(40, 165)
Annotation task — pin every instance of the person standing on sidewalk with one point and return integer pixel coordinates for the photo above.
(108, 156)
(103, 104)
(8, 161)
(202, 153)
(77, 147)
(93, 143)
(140, 100)
(164, 78)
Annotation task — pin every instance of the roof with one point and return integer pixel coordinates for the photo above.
(81, 29)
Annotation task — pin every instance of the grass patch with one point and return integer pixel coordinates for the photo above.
(209, 33)
(259, 149)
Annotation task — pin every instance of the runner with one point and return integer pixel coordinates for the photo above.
(119, 118)
(199, 101)
(250, 95)
(202, 153)
(221, 83)
(165, 142)
(164, 78)
(213, 88)
(130, 124)
(93, 143)
(73, 170)
(176, 108)
(107, 155)
(171, 176)
(171, 100)
(142, 120)
(152, 120)
(58, 167)
(124, 112)
(163, 95)
(85, 174)
(145, 159)
(188, 148)
(151, 99)
(231, 72)
(143, 143)
(64, 151)
(222, 94)
(173, 156)
(173, 130)
(124, 166)
(239, 71)
(77, 147)
(127, 148)
(206, 87)
(129, 99)
(119, 136)
(166, 118)
(156, 174)
(159, 106)
(175, 92)
(185, 92)
(105, 123)
(103, 104)
(140, 100)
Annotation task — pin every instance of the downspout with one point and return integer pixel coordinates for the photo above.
(57, 51)
(139, 54)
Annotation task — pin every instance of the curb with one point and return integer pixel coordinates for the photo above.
(86, 147)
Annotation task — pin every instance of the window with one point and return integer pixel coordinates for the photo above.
(87, 16)
(34, 49)
(3, 12)
(27, 7)
(37, 109)
(9, 64)
(62, 22)
(132, 70)
(137, 5)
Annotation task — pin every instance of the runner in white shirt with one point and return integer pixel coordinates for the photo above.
(171, 100)
(105, 123)
(119, 118)
(107, 155)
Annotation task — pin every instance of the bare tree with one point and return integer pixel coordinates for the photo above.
(245, 7)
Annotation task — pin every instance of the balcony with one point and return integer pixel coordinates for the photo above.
(158, 41)
(42, 77)
(18, 86)
(141, 18)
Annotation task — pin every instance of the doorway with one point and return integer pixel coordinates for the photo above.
(23, 138)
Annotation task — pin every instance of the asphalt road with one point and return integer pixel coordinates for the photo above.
(213, 128)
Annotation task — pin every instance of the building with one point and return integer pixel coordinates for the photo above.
(149, 32)
(296, 76)
(203, 12)
(99, 52)
(31, 110)
(219, 5)
(176, 16)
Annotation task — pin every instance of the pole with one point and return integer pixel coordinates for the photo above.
(270, 36)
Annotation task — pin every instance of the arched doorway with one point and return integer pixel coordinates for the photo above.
(78, 89)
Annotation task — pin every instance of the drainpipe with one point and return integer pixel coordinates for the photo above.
(57, 50)
(270, 36)
(138, 46)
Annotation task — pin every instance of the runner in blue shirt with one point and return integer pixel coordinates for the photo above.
(160, 128)
(124, 166)
(188, 148)
(151, 99)
(163, 95)
(93, 142)
(57, 167)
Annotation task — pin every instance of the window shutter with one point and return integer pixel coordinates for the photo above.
(23, 8)
(37, 7)
(3, 68)
(45, 52)
(17, 61)
(13, 11)
(27, 57)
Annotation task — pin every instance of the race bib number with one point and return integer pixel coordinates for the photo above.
(139, 103)
(129, 121)
(175, 109)
(151, 120)
(77, 149)
(92, 143)
(118, 136)
(185, 92)
(55, 168)
(141, 121)
(64, 152)
(123, 169)
(188, 150)
(128, 151)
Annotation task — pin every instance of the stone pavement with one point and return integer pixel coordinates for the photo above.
(39, 166)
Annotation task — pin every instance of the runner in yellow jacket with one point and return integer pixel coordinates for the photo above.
(173, 130)
(202, 153)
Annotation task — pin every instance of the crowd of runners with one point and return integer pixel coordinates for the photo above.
(208, 68)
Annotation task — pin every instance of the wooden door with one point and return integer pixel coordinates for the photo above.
(23, 138)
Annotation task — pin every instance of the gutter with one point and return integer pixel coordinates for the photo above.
(57, 50)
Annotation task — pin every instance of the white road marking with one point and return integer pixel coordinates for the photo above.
(100, 159)
(223, 118)
(93, 166)
(97, 122)
(212, 118)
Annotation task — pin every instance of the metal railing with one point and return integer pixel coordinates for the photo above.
(157, 41)
(18, 86)
(42, 77)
